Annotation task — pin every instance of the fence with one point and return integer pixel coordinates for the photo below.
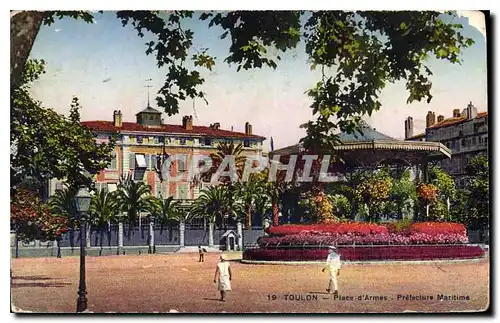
(139, 236)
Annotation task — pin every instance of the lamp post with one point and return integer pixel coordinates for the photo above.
(82, 204)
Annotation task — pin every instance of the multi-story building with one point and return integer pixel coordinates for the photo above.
(465, 134)
(140, 143)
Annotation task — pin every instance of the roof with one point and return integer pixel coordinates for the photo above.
(456, 120)
(363, 134)
(107, 126)
(425, 146)
(228, 232)
(149, 110)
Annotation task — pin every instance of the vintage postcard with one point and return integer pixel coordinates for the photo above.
(249, 162)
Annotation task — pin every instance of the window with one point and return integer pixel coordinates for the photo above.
(150, 117)
(161, 140)
(182, 141)
(113, 164)
(182, 191)
(112, 187)
(153, 162)
(139, 139)
(463, 142)
(474, 140)
(131, 160)
(140, 160)
(181, 165)
(156, 140)
(208, 141)
(101, 187)
(59, 186)
(246, 143)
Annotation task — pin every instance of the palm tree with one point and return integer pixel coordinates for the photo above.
(215, 205)
(62, 203)
(249, 193)
(133, 198)
(103, 211)
(223, 150)
(167, 211)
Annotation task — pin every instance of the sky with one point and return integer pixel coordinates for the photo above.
(105, 66)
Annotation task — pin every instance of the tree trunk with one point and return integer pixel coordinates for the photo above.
(274, 202)
(427, 210)
(211, 234)
(249, 217)
(16, 240)
(120, 238)
(151, 236)
(58, 244)
(24, 26)
(101, 237)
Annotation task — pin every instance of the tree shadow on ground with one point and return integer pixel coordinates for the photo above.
(34, 278)
(21, 285)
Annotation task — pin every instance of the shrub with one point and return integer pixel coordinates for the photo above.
(367, 253)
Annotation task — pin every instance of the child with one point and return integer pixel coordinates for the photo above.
(201, 251)
(223, 272)
(333, 265)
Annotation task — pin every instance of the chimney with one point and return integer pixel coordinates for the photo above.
(248, 128)
(117, 118)
(456, 113)
(440, 118)
(430, 120)
(408, 127)
(215, 125)
(187, 122)
(471, 111)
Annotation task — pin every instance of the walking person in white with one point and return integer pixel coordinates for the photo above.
(333, 265)
(223, 272)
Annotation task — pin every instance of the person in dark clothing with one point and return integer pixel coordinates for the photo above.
(201, 251)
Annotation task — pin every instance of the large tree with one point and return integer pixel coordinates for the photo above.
(46, 144)
(359, 53)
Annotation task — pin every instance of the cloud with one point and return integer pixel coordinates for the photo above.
(57, 30)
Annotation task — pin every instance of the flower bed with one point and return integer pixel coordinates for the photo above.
(353, 239)
(358, 228)
(367, 253)
(367, 234)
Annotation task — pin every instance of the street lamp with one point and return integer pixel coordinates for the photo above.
(82, 205)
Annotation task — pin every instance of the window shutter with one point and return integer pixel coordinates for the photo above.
(131, 160)
(113, 161)
(153, 161)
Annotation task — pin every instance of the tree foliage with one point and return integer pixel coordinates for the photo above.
(33, 220)
(362, 52)
(46, 144)
(133, 198)
(215, 205)
(473, 201)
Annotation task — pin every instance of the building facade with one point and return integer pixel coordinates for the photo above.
(140, 143)
(465, 134)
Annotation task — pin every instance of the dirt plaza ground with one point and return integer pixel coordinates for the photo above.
(161, 283)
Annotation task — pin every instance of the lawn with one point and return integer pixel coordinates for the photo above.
(160, 283)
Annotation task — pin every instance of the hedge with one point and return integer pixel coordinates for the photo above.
(367, 253)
